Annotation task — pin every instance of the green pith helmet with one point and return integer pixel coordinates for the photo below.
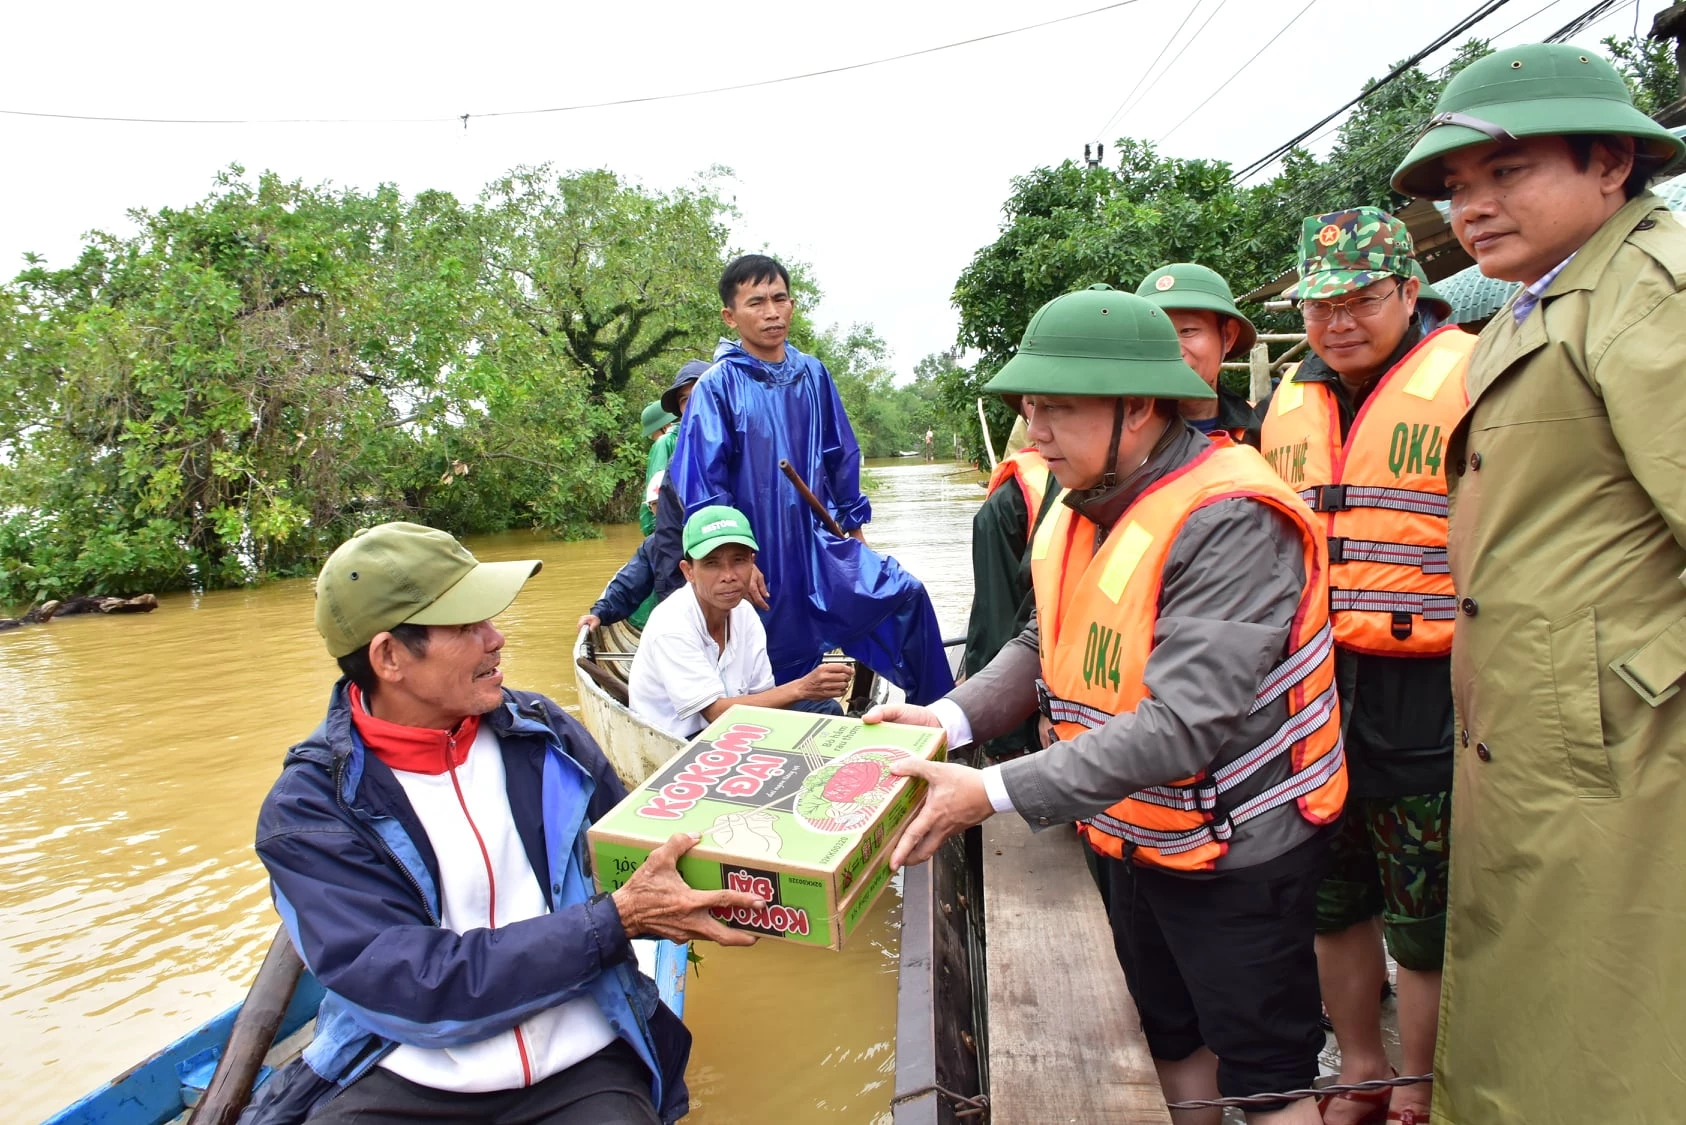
(653, 419)
(1536, 90)
(1188, 286)
(1426, 295)
(1344, 251)
(1102, 342)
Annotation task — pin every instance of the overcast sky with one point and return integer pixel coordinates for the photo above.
(885, 179)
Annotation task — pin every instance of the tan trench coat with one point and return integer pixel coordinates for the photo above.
(1565, 980)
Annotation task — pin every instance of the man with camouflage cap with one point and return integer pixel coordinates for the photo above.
(1181, 659)
(1564, 979)
(1211, 330)
(1360, 430)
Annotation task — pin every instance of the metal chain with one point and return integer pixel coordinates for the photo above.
(1272, 1101)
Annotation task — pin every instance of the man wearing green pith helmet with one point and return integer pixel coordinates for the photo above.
(1564, 982)
(1210, 330)
(1180, 658)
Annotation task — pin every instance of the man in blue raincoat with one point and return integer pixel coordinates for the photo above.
(764, 401)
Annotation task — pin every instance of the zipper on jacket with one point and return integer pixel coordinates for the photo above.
(339, 798)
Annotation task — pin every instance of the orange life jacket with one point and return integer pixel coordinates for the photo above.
(1031, 472)
(1383, 493)
(1097, 611)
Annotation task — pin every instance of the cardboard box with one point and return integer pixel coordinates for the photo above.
(798, 809)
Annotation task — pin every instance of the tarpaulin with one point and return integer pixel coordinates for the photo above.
(825, 592)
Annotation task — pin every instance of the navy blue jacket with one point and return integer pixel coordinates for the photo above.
(629, 587)
(355, 880)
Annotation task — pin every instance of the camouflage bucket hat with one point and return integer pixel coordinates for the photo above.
(1536, 90)
(1188, 286)
(1344, 251)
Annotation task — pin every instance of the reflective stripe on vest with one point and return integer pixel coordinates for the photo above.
(1382, 492)
(1098, 609)
(1031, 472)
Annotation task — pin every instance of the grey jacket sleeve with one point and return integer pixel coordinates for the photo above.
(1233, 580)
(1002, 695)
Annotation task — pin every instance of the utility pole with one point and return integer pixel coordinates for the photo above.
(1098, 157)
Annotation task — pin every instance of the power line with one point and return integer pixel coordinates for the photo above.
(464, 117)
(1237, 73)
(1444, 38)
(1192, 8)
(1197, 33)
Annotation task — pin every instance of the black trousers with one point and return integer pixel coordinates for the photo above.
(1227, 962)
(611, 1087)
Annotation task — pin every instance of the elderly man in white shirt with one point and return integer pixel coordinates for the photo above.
(704, 649)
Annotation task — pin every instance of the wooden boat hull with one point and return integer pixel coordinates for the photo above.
(634, 747)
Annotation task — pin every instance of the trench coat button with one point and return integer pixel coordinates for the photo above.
(1469, 607)
(1475, 462)
(1465, 736)
(1482, 752)
(1042, 821)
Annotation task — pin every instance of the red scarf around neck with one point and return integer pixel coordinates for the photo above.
(414, 749)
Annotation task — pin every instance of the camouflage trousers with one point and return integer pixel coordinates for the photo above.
(1388, 857)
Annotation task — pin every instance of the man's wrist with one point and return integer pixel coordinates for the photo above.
(956, 726)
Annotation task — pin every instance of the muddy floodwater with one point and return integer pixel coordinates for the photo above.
(135, 751)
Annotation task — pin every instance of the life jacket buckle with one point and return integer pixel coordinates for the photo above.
(1205, 795)
(1337, 549)
(1044, 700)
(1402, 626)
(1329, 498)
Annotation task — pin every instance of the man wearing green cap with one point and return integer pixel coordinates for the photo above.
(1359, 429)
(1563, 983)
(1211, 330)
(1180, 655)
(657, 425)
(426, 849)
(705, 649)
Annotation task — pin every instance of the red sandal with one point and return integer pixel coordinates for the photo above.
(1376, 1099)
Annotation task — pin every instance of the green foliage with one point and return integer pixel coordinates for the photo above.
(1650, 69)
(229, 391)
(887, 418)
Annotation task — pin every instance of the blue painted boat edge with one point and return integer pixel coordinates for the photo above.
(150, 1093)
(673, 962)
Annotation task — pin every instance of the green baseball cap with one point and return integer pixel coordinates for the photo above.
(1427, 295)
(1344, 251)
(406, 574)
(715, 526)
(1535, 90)
(1185, 285)
(654, 418)
(1102, 342)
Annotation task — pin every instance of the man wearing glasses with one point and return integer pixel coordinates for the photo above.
(1360, 430)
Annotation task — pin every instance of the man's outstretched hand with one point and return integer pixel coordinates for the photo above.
(656, 902)
(955, 800)
(905, 713)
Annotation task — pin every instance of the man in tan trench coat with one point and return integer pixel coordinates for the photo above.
(1565, 982)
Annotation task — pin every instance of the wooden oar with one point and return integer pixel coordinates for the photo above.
(820, 510)
(254, 1033)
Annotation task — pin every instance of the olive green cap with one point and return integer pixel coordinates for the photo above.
(715, 526)
(1536, 90)
(1102, 342)
(1426, 294)
(1185, 285)
(654, 418)
(405, 574)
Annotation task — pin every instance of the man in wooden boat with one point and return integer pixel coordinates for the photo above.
(1359, 430)
(426, 849)
(704, 649)
(1565, 989)
(1211, 330)
(764, 402)
(1181, 656)
(632, 594)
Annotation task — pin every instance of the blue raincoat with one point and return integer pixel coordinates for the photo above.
(825, 592)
